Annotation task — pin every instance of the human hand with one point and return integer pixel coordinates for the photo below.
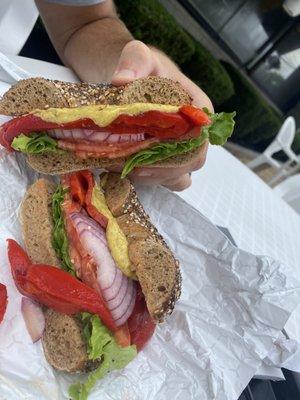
(139, 61)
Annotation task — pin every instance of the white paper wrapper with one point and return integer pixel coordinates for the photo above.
(233, 306)
(285, 353)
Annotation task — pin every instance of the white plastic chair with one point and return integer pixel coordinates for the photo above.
(283, 141)
(289, 190)
(17, 18)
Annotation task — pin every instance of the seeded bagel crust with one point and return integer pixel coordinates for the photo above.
(152, 260)
(39, 93)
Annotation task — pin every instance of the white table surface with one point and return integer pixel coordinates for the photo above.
(229, 194)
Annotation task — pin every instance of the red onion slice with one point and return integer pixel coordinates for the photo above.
(115, 287)
(87, 223)
(98, 136)
(117, 290)
(33, 317)
(127, 308)
(95, 136)
(83, 226)
(114, 302)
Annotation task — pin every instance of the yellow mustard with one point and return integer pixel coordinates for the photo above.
(101, 115)
(116, 239)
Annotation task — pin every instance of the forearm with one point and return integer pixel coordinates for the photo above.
(88, 39)
(94, 50)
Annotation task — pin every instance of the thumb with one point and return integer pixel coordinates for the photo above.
(136, 61)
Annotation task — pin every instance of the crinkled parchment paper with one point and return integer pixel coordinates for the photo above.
(233, 306)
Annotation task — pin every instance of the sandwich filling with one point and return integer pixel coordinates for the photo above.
(142, 133)
(95, 282)
(92, 247)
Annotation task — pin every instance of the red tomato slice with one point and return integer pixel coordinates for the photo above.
(86, 269)
(140, 324)
(76, 259)
(122, 336)
(89, 273)
(3, 301)
(108, 150)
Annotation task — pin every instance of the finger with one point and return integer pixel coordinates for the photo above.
(200, 160)
(199, 98)
(176, 184)
(179, 184)
(158, 174)
(148, 180)
(136, 61)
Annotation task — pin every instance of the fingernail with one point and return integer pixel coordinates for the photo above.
(124, 74)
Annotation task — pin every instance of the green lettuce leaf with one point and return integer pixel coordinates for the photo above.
(59, 236)
(221, 128)
(102, 345)
(217, 133)
(162, 151)
(96, 335)
(36, 143)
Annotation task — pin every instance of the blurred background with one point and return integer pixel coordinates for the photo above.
(244, 53)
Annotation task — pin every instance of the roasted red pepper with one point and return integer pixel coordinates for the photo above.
(198, 116)
(54, 287)
(140, 324)
(62, 286)
(155, 123)
(3, 301)
(78, 187)
(19, 262)
(81, 187)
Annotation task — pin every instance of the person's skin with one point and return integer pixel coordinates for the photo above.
(98, 47)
